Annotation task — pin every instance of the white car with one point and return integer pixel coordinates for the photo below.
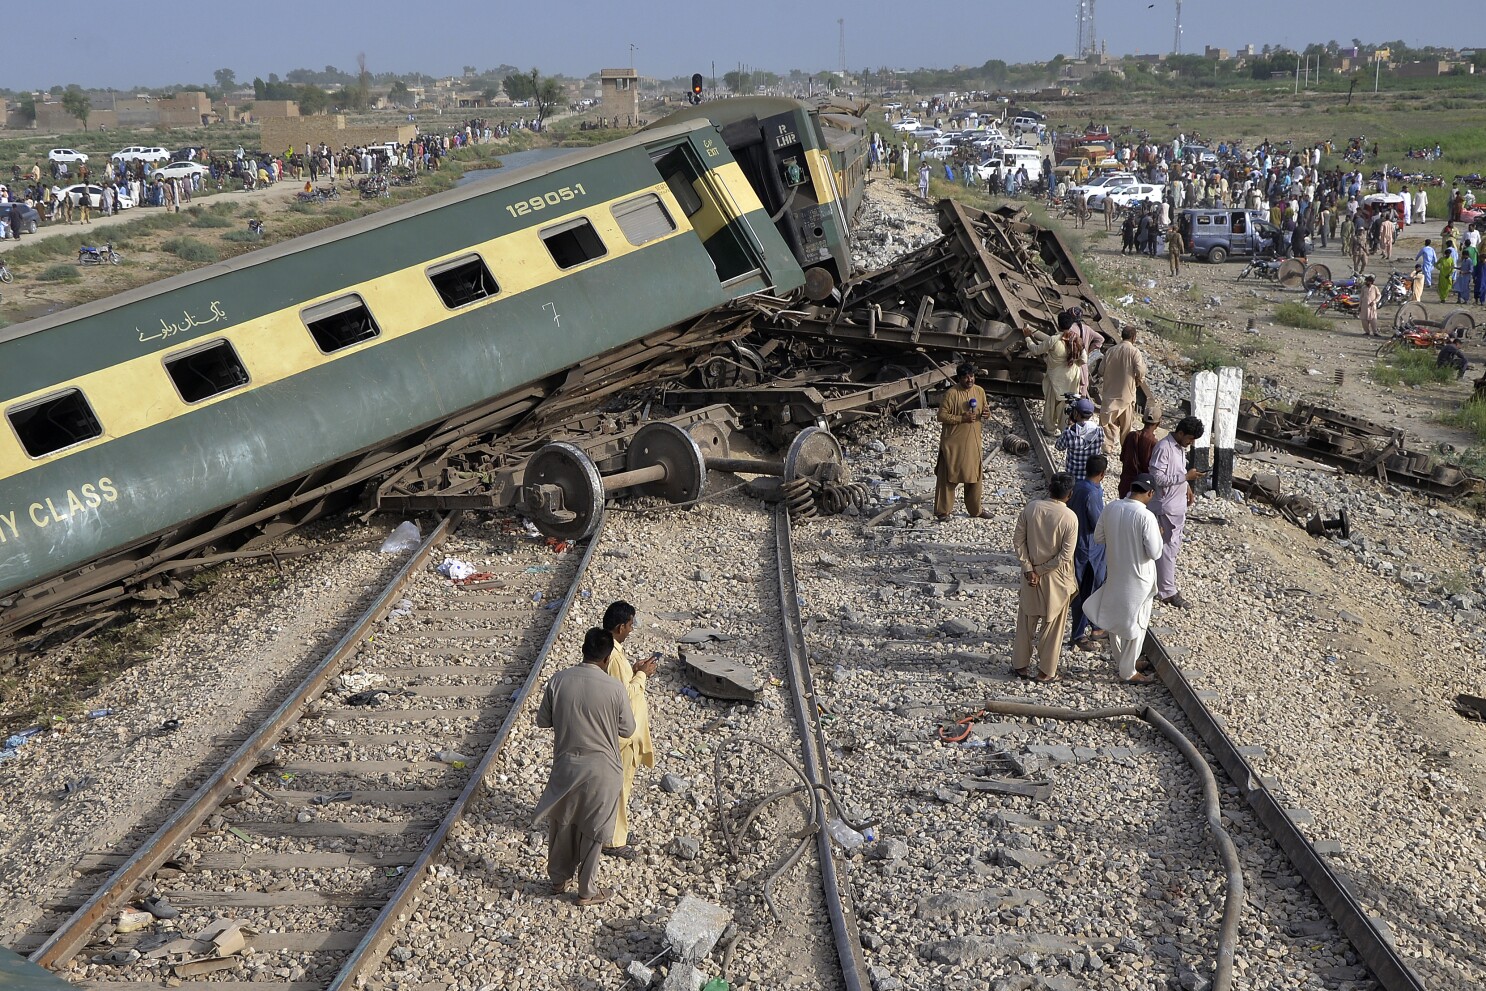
(66, 155)
(906, 124)
(95, 195)
(136, 153)
(1126, 196)
(181, 170)
(1099, 185)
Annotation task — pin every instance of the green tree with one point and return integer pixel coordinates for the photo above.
(738, 82)
(518, 87)
(226, 80)
(491, 94)
(312, 100)
(28, 106)
(399, 95)
(76, 103)
(550, 93)
(995, 71)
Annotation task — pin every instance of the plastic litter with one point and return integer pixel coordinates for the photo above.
(403, 539)
(100, 713)
(455, 569)
(843, 834)
(404, 607)
(1126, 300)
(453, 758)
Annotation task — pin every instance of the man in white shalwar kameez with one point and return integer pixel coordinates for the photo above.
(1122, 605)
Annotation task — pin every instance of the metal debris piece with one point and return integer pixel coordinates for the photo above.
(721, 677)
(1354, 445)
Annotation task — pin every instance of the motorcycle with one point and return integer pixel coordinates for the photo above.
(89, 255)
(5, 275)
(1262, 266)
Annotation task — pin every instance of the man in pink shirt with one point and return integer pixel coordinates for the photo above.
(1173, 495)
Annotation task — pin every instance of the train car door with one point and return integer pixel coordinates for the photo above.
(714, 215)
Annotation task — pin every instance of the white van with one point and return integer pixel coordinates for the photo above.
(1017, 156)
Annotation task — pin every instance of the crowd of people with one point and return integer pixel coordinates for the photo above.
(133, 182)
(1104, 566)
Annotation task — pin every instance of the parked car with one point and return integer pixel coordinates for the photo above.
(191, 153)
(1102, 184)
(1217, 234)
(95, 195)
(29, 217)
(180, 170)
(1127, 195)
(136, 153)
(66, 155)
(906, 124)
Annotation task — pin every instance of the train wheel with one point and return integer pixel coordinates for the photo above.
(1409, 313)
(1292, 273)
(1459, 323)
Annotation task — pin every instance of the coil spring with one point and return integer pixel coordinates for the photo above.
(799, 497)
(807, 498)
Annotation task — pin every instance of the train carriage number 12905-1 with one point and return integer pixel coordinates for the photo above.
(555, 197)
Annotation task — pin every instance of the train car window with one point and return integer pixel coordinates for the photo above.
(643, 219)
(463, 281)
(681, 188)
(340, 323)
(206, 371)
(573, 242)
(54, 423)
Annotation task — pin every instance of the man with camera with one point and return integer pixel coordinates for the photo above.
(1081, 439)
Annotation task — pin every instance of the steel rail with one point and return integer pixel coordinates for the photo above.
(843, 918)
(369, 953)
(74, 933)
(1363, 930)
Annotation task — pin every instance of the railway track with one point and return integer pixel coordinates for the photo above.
(318, 833)
(1365, 932)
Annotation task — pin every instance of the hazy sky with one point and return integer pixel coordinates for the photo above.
(672, 38)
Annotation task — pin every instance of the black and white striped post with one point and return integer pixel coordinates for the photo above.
(1215, 401)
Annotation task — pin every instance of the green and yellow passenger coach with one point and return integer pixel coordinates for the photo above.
(808, 170)
(129, 418)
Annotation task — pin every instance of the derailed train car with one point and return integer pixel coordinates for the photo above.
(808, 169)
(150, 424)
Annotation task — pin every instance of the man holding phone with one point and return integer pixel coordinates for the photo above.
(961, 413)
(635, 749)
(1173, 495)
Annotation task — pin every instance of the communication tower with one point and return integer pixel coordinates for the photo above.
(1176, 46)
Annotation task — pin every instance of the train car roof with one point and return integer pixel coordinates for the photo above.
(738, 108)
(350, 228)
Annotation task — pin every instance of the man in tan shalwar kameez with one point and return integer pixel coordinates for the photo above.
(588, 712)
(1124, 371)
(636, 748)
(1046, 539)
(961, 412)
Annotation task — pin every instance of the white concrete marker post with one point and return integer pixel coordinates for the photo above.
(1225, 428)
(1204, 402)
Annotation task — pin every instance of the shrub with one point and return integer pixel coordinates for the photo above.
(191, 250)
(241, 237)
(58, 273)
(1298, 315)
(1470, 416)
(208, 218)
(1410, 368)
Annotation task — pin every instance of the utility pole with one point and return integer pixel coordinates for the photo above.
(1297, 75)
(1377, 71)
